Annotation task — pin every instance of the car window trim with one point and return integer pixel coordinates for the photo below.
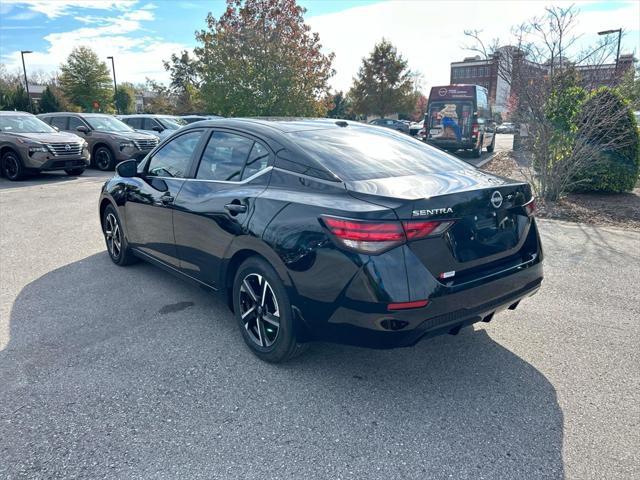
(199, 148)
(192, 174)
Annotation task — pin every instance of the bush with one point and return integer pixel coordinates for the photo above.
(617, 164)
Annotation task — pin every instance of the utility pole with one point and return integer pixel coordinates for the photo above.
(26, 82)
(619, 32)
(115, 85)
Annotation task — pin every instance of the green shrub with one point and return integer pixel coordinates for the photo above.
(617, 167)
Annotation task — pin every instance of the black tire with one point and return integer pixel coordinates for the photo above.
(73, 172)
(103, 159)
(12, 167)
(114, 236)
(492, 147)
(269, 341)
(477, 152)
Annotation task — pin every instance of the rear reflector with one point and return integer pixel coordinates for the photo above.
(376, 237)
(407, 305)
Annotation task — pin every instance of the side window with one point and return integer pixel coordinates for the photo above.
(174, 158)
(60, 122)
(135, 122)
(75, 122)
(258, 160)
(224, 157)
(149, 123)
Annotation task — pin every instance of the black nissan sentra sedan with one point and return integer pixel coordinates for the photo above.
(326, 230)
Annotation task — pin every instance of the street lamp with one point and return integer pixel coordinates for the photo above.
(115, 85)
(26, 82)
(619, 32)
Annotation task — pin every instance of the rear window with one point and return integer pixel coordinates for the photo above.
(355, 153)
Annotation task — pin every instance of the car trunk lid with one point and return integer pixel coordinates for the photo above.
(490, 220)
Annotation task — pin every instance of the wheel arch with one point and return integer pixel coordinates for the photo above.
(240, 250)
(9, 148)
(104, 203)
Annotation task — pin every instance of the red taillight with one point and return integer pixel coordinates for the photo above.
(475, 129)
(376, 237)
(419, 229)
(530, 207)
(406, 305)
(366, 231)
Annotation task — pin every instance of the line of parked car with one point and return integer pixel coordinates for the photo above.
(71, 142)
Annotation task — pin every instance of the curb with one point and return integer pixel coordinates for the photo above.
(486, 160)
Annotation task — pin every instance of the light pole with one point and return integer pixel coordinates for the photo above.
(115, 85)
(619, 32)
(26, 82)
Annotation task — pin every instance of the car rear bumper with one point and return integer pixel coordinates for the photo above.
(450, 145)
(371, 325)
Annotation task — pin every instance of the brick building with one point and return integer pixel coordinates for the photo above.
(484, 72)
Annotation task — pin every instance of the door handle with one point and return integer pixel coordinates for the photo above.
(167, 199)
(235, 208)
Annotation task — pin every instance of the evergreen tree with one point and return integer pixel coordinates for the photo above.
(384, 84)
(49, 102)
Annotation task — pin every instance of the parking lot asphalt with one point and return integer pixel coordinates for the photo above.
(132, 373)
(504, 142)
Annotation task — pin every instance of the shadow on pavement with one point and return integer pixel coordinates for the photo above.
(130, 372)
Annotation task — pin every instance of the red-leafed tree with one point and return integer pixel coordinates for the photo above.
(260, 58)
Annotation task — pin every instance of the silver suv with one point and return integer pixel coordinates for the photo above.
(110, 140)
(28, 145)
(159, 125)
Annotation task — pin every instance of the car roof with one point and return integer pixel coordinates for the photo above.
(158, 115)
(14, 112)
(53, 114)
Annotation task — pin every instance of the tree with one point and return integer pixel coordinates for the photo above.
(20, 99)
(384, 83)
(85, 80)
(49, 102)
(340, 106)
(160, 100)
(125, 100)
(260, 58)
(608, 132)
(185, 83)
(548, 95)
(420, 107)
(629, 87)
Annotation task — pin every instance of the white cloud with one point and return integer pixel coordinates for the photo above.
(57, 8)
(430, 34)
(136, 57)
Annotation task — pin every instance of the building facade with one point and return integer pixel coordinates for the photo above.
(496, 78)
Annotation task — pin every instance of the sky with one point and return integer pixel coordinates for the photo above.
(142, 33)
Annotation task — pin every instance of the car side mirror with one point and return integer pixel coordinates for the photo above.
(82, 128)
(156, 128)
(128, 168)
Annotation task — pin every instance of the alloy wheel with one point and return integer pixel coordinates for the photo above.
(11, 167)
(112, 234)
(259, 310)
(103, 159)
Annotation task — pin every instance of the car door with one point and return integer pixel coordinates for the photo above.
(215, 205)
(150, 200)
